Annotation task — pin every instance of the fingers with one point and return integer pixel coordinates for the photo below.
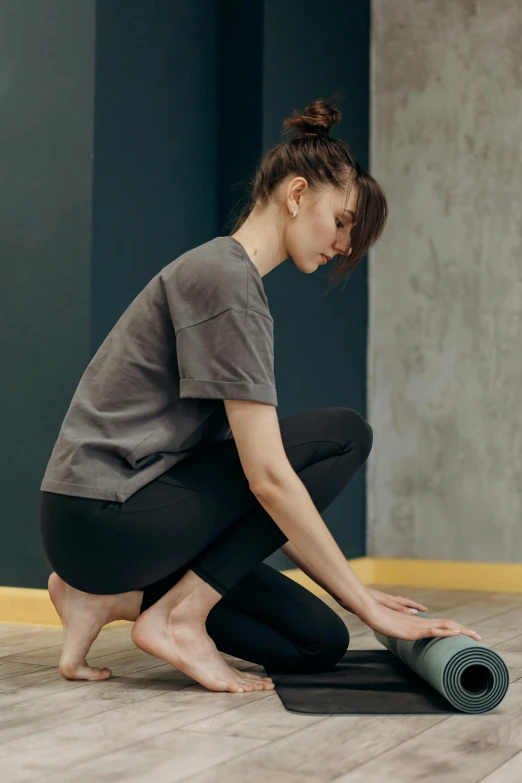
(450, 628)
(420, 607)
(408, 603)
(401, 608)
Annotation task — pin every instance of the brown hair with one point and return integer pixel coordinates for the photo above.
(322, 160)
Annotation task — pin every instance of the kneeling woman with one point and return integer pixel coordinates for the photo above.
(172, 478)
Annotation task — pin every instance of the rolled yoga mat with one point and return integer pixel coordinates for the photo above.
(473, 678)
(433, 676)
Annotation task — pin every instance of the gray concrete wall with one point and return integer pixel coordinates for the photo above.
(445, 282)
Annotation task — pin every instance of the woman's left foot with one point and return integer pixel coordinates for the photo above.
(83, 615)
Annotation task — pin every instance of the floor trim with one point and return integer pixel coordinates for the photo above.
(29, 606)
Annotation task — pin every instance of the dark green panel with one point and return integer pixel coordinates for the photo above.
(47, 72)
(128, 132)
(155, 153)
(240, 103)
(311, 51)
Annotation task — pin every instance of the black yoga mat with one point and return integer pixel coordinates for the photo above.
(364, 682)
(442, 675)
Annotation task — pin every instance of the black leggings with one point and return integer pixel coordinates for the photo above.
(201, 515)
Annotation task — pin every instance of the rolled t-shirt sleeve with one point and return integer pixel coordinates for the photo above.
(228, 356)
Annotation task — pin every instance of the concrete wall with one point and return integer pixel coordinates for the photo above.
(445, 282)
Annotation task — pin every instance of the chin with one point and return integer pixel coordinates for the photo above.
(308, 267)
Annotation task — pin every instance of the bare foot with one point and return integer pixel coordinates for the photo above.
(83, 615)
(187, 646)
(179, 637)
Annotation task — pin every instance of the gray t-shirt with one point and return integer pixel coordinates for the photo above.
(198, 333)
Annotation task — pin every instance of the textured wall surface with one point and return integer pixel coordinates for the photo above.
(445, 281)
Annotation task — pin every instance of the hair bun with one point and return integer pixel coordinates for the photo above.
(316, 120)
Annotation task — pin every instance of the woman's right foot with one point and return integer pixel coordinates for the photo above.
(183, 641)
(83, 615)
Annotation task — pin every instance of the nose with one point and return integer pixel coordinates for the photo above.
(340, 250)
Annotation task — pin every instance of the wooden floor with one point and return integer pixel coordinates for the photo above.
(150, 723)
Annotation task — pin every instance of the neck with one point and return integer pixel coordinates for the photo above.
(262, 237)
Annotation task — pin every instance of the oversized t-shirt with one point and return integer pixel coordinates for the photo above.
(198, 333)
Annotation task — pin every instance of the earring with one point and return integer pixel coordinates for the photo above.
(294, 213)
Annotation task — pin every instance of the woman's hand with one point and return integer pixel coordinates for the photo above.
(402, 625)
(396, 602)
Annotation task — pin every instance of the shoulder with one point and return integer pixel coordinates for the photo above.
(217, 265)
(211, 278)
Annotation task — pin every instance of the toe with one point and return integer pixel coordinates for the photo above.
(101, 674)
(252, 684)
(254, 681)
(259, 681)
(256, 677)
(84, 672)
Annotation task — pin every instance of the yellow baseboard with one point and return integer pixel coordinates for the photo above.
(29, 606)
(437, 574)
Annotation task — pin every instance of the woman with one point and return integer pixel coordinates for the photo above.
(172, 478)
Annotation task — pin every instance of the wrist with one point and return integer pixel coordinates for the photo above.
(368, 610)
(361, 604)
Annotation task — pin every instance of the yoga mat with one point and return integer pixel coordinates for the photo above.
(473, 678)
(438, 675)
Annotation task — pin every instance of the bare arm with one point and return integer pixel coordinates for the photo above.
(292, 509)
(281, 492)
(297, 558)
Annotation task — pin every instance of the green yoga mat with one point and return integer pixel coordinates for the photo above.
(473, 678)
(433, 676)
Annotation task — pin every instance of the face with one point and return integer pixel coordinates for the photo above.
(322, 225)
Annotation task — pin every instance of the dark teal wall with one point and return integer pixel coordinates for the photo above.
(129, 131)
(311, 50)
(46, 140)
(155, 153)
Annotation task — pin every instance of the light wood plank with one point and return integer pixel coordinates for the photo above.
(265, 719)
(48, 653)
(509, 772)
(463, 749)
(76, 701)
(434, 598)
(90, 739)
(514, 644)
(8, 629)
(396, 749)
(164, 759)
(236, 772)
(500, 628)
(22, 642)
(325, 750)
(151, 714)
(43, 684)
(13, 669)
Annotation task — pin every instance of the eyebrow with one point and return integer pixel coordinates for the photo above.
(350, 212)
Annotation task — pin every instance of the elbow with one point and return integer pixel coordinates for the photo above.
(269, 487)
(263, 490)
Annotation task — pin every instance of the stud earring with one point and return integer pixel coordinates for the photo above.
(294, 213)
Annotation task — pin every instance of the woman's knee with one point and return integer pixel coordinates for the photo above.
(335, 639)
(357, 431)
(337, 642)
